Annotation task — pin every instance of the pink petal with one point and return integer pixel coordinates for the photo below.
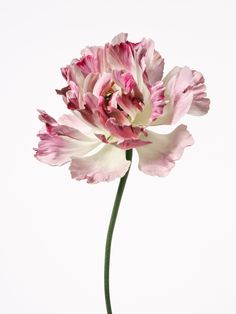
(154, 63)
(155, 69)
(75, 121)
(71, 126)
(58, 143)
(103, 85)
(132, 143)
(157, 100)
(57, 150)
(46, 118)
(179, 98)
(149, 60)
(71, 95)
(93, 50)
(185, 93)
(88, 64)
(73, 73)
(51, 150)
(199, 107)
(91, 102)
(125, 80)
(119, 57)
(120, 38)
(158, 158)
(90, 111)
(98, 53)
(106, 165)
(120, 116)
(122, 131)
(131, 105)
(200, 104)
(90, 82)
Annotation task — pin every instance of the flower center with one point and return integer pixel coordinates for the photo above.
(108, 97)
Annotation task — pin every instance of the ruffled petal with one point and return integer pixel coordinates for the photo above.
(56, 150)
(88, 64)
(157, 100)
(155, 69)
(103, 85)
(120, 117)
(124, 80)
(98, 53)
(154, 63)
(90, 113)
(120, 38)
(106, 165)
(118, 56)
(184, 93)
(199, 107)
(75, 121)
(59, 143)
(179, 97)
(122, 131)
(130, 105)
(73, 73)
(158, 158)
(90, 82)
(200, 104)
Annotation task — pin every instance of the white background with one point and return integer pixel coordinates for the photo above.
(175, 238)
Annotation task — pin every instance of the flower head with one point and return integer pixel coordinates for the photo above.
(114, 93)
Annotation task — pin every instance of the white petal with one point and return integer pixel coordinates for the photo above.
(158, 158)
(106, 165)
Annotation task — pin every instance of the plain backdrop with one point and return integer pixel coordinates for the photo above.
(175, 239)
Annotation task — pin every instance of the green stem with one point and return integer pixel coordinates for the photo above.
(110, 233)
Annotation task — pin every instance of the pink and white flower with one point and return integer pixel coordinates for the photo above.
(114, 93)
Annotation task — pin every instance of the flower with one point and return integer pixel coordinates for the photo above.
(114, 93)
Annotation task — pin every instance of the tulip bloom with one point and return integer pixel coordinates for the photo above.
(114, 93)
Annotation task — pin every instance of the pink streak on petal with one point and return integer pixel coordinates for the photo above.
(90, 113)
(125, 80)
(120, 38)
(76, 122)
(50, 150)
(132, 143)
(153, 61)
(149, 60)
(185, 93)
(102, 138)
(58, 143)
(91, 102)
(120, 117)
(131, 105)
(88, 64)
(200, 104)
(119, 57)
(199, 107)
(103, 85)
(46, 118)
(122, 131)
(157, 99)
(98, 54)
